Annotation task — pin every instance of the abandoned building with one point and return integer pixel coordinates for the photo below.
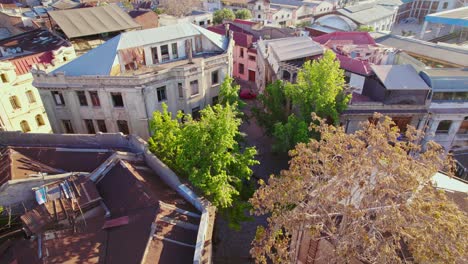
(117, 86)
(281, 59)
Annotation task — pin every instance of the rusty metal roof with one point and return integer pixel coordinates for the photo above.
(142, 213)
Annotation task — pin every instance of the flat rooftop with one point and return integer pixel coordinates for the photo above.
(127, 214)
(31, 42)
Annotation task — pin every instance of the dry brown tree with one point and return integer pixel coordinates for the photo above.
(368, 194)
(179, 8)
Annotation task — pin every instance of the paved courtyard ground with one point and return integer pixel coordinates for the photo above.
(231, 246)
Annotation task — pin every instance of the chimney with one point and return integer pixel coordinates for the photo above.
(226, 26)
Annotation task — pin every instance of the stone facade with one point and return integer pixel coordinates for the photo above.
(126, 102)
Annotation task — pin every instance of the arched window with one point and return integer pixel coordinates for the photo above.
(15, 103)
(25, 126)
(39, 120)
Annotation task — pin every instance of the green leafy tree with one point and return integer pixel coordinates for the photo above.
(365, 28)
(303, 24)
(289, 134)
(272, 107)
(229, 93)
(166, 132)
(243, 14)
(223, 14)
(159, 11)
(319, 89)
(208, 154)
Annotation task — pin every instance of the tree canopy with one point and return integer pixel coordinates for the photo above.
(178, 8)
(369, 194)
(243, 14)
(223, 14)
(229, 93)
(319, 88)
(208, 154)
(365, 28)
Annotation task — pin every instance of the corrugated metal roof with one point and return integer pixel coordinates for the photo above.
(172, 32)
(450, 79)
(457, 17)
(93, 20)
(295, 48)
(452, 55)
(364, 14)
(399, 77)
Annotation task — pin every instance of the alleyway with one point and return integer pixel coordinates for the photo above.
(231, 246)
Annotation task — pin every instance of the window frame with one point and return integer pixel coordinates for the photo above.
(31, 97)
(114, 102)
(39, 120)
(60, 97)
(15, 102)
(243, 68)
(123, 122)
(68, 129)
(213, 74)
(25, 127)
(92, 97)
(101, 123)
(180, 90)
(192, 90)
(160, 93)
(89, 124)
(165, 57)
(175, 55)
(82, 100)
(444, 131)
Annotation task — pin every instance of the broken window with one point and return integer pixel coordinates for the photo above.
(67, 125)
(58, 98)
(89, 126)
(82, 98)
(94, 98)
(101, 124)
(123, 126)
(117, 99)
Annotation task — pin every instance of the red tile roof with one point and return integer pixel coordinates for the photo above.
(24, 64)
(245, 22)
(356, 38)
(334, 39)
(354, 65)
(240, 38)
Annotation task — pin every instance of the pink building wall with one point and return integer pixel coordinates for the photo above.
(249, 62)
